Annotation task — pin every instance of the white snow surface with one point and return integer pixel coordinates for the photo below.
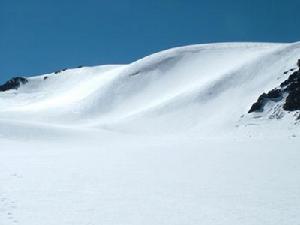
(164, 140)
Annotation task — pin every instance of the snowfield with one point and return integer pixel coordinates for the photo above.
(164, 140)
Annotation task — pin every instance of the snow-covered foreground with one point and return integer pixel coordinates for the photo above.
(165, 140)
(141, 180)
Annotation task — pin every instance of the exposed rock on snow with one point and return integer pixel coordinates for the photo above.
(289, 88)
(171, 91)
(292, 87)
(155, 142)
(273, 95)
(59, 71)
(13, 83)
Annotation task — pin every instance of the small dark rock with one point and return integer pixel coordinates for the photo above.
(259, 104)
(292, 102)
(45, 78)
(59, 71)
(273, 95)
(256, 107)
(293, 78)
(290, 87)
(13, 83)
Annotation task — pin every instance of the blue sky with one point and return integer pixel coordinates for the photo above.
(40, 36)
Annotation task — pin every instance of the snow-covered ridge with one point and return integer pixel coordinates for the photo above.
(187, 88)
(164, 140)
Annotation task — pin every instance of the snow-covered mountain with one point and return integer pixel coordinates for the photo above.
(183, 136)
(195, 88)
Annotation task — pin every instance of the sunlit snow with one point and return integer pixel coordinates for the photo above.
(164, 140)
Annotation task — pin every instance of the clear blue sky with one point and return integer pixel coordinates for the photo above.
(39, 36)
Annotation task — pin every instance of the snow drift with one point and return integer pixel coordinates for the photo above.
(199, 88)
(164, 140)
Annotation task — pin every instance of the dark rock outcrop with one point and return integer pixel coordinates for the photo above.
(13, 83)
(59, 71)
(292, 102)
(273, 95)
(290, 87)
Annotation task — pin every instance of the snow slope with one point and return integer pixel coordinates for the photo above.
(164, 140)
(174, 90)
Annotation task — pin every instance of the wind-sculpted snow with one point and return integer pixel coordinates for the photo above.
(164, 140)
(200, 87)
